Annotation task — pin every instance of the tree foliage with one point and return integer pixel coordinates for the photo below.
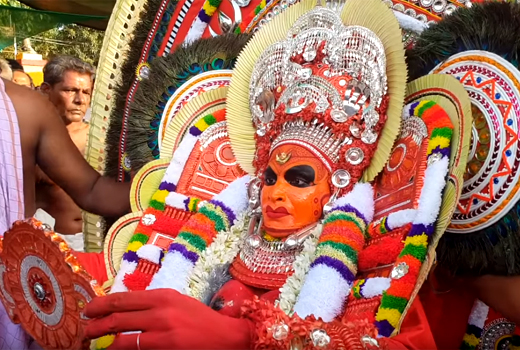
(10, 3)
(69, 39)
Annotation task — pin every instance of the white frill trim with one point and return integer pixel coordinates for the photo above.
(178, 273)
(196, 30)
(324, 291)
(479, 314)
(375, 286)
(323, 294)
(179, 159)
(361, 197)
(222, 251)
(126, 268)
(235, 195)
(175, 200)
(431, 193)
(290, 290)
(173, 273)
(401, 218)
(150, 252)
(410, 23)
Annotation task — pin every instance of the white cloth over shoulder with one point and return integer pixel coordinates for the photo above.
(12, 208)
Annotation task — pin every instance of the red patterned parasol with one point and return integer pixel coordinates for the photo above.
(43, 287)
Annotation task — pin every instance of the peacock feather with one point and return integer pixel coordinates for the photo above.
(493, 27)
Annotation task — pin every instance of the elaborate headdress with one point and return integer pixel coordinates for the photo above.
(416, 15)
(326, 86)
(483, 236)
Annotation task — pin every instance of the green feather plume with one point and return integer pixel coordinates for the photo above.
(128, 68)
(491, 26)
(494, 27)
(166, 75)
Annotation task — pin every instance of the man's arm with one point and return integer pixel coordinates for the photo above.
(60, 159)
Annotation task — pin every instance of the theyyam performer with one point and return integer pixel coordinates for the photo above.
(307, 148)
(325, 242)
(479, 47)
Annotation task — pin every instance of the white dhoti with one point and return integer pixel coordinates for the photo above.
(75, 242)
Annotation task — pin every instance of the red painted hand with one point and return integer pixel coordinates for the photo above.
(167, 320)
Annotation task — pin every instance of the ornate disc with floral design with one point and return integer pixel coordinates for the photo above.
(497, 335)
(491, 179)
(43, 287)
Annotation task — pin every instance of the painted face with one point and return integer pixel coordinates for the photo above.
(294, 192)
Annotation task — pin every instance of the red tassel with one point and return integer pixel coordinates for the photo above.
(142, 276)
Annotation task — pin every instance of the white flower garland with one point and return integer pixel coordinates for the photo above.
(223, 250)
(292, 287)
(227, 246)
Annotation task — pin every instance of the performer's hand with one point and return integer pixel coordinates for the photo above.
(167, 319)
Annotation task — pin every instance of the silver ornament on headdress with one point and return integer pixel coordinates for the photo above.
(351, 51)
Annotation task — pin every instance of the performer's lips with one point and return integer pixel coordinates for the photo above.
(276, 213)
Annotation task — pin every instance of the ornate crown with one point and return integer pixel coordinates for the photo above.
(317, 78)
(321, 88)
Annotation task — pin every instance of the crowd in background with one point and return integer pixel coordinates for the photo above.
(68, 84)
(12, 70)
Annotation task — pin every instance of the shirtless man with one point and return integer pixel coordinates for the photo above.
(5, 71)
(31, 133)
(22, 78)
(45, 142)
(68, 84)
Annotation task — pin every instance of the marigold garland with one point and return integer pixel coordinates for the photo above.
(202, 20)
(341, 241)
(476, 322)
(155, 217)
(200, 231)
(396, 298)
(336, 255)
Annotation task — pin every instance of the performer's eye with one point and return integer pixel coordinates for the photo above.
(270, 177)
(300, 176)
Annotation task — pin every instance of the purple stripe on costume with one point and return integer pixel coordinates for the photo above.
(336, 265)
(385, 328)
(419, 229)
(204, 17)
(444, 151)
(347, 208)
(131, 256)
(387, 228)
(191, 256)
(229, 213)
(167, 186)
(361, 287)
(161, 256)
(195, 131)
(412, 108)
(186, 204)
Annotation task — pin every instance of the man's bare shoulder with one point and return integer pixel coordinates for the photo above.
(29, 103)
(79, 135)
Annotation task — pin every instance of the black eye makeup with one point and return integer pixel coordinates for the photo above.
(300, 176)
(270, 177)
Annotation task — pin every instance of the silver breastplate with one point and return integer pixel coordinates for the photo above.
(261, 255)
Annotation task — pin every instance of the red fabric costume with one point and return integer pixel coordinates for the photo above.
(424, 322)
